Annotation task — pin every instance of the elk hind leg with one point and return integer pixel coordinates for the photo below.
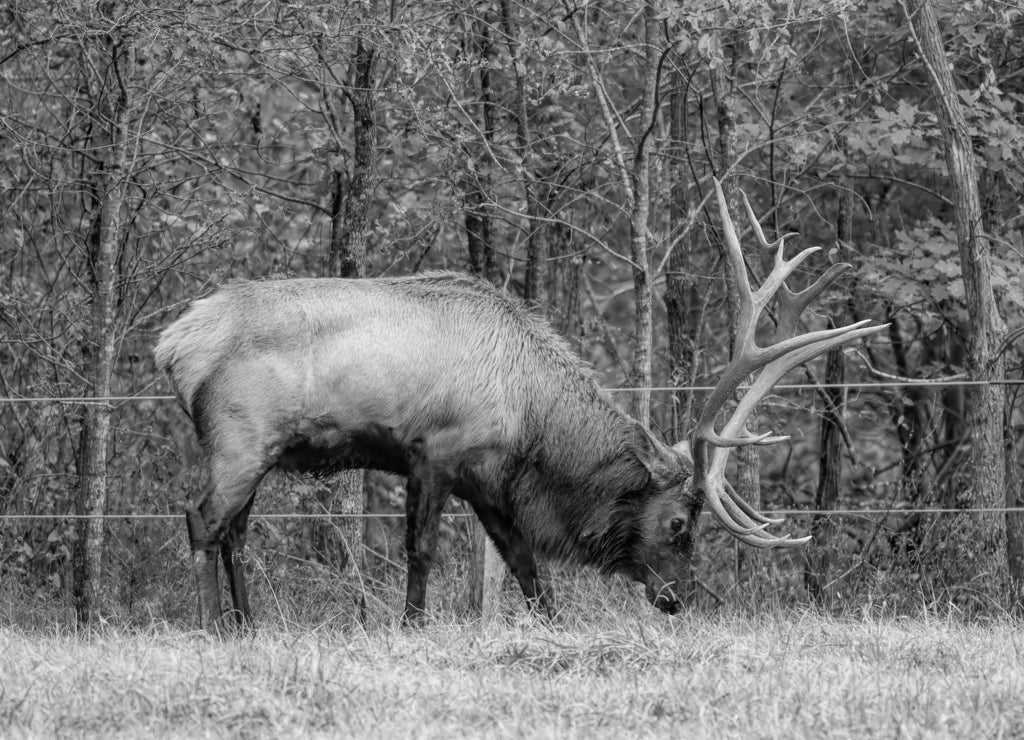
(216, 522)
(204, 562)
(231, 546)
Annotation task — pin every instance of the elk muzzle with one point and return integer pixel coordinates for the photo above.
(662, 595)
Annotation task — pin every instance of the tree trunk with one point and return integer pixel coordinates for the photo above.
(347, 258)
(638, 224)
(636, 184)
(830, 460)
(90, 593)
(974, 547)
(1014, 520)
(911, 420)
(350, 212)
(477, 187)
(994, 201)
(477, 222)
(826, 498)
(536, 241)
(680, 296)
(749, 563)
(566, 292)
(487, 569)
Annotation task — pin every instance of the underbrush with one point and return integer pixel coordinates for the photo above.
(291, 589)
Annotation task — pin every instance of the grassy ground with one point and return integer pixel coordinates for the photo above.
(608, 667)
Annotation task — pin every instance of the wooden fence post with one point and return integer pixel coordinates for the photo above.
(486, 573)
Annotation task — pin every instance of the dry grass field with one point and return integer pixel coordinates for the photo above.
(608, 667)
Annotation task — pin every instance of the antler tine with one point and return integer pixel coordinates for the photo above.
(726, 511)
(748, 524)
(753, 514)
(710, 447)
(735, 256)
(729, 512)
(755, 224)
(791, 304)
(753, 302)
(732, 433)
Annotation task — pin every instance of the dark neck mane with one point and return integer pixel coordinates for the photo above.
(584, 490)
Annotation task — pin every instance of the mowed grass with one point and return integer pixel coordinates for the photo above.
(607, 667)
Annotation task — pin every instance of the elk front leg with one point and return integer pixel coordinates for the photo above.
(517, 555)
(424, 502)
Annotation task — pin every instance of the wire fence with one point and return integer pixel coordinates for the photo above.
(920, 383)
(468, 515)
(888, 384)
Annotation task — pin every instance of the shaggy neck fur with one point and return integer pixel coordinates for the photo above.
(582, 493)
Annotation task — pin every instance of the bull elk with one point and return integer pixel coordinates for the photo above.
(450, 382)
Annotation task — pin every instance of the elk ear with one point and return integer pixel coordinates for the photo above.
(654, 455)
(646, 447)
(682, 448)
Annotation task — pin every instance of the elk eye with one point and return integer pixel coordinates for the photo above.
(676, 525)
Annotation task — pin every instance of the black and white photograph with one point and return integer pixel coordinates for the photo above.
(505, 369)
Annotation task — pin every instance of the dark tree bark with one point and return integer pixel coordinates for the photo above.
(830, 460)
(749, 563)
(477, 221)
(823, 527)
(1014, 519)
(912, 422)
(976, 545)
(680, 295)
(536, 240)
(680, 292)
(348, 259)
(566, 278)
(350, 210)
(487, 569)
(477, 182)
(748, 474)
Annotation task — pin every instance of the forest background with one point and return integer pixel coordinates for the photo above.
(564, 151)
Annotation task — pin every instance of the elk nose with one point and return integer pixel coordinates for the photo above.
(668, 605)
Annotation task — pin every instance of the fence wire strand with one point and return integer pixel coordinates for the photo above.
(468, 515)
(696, 388)
(922, 383)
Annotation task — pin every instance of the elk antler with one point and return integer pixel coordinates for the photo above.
(710, 447)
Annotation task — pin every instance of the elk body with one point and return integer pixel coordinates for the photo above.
(452, 383)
